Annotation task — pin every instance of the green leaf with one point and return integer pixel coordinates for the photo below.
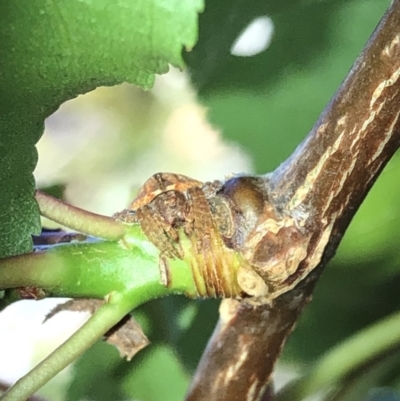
(96, 376)
(52, 51)
(348, 361)
(159, 376)
(374, 232)
(214, 68)
(184, 324)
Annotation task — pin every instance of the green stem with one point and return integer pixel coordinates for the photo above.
(342, 360)
(79, 219)
(93, 270)
(104, 319)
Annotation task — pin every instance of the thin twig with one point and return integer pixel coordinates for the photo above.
(4, 387)
(103, 320)
(78, 219)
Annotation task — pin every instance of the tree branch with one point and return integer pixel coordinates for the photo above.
(240, 356)
(330, 173)
(320, 187)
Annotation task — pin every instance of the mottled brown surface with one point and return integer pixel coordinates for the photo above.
(162, 183)
(244, 347)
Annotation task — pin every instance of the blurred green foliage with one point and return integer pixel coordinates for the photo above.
(268, 103)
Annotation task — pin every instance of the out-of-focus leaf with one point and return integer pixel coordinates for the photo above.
(184, 324)
(374, 232)
(270, 101)
(95, 376)
(212, 66)
(364, 386)
(159, 377)
(383, 394)
(192, 342)
(50, 52)
(344, 301)
(162, 316)
(220, 24)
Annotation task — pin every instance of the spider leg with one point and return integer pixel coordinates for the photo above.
(159, 232)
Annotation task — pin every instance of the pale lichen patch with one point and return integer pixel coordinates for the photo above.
(391, 47)
(251, 282)
(384, 84)
(388, 135)
(308, 185)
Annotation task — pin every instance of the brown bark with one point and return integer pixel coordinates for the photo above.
(248, 339)
(324, 182)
